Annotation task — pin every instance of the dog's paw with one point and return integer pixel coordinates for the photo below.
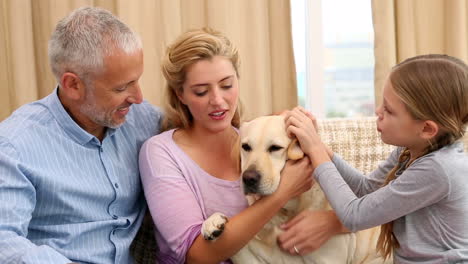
(213, 227)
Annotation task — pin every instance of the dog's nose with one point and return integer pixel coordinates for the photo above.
(251, 178)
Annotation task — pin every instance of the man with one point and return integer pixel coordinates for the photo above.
(69, 181)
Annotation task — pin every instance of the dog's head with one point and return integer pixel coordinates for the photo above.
(265, 147)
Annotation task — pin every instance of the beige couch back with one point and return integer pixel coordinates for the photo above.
(358, 142)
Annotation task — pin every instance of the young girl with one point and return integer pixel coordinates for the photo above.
(189, 172)
(420, 193)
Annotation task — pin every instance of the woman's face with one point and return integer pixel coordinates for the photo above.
(211, 92)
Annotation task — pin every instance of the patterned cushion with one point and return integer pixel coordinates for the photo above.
(356, 140)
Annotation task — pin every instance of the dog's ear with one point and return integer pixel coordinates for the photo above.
(294, 150)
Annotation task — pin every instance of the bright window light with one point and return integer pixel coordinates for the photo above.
(334, 54)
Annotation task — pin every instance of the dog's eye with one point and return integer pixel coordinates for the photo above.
(274, 148)
(246, 147)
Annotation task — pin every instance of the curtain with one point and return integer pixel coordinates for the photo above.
(261, 29)
(405, 28)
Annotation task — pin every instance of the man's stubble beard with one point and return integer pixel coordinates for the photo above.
(90, 109)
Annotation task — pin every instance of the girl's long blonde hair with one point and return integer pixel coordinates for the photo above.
(432, 87)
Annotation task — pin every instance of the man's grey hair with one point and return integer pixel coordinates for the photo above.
(82, 40)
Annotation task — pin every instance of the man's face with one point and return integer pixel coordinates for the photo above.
(112, 92)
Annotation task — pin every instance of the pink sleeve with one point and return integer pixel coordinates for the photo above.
(173, 206)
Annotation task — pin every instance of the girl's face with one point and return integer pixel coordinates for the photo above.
(211, 92)
(395, 124)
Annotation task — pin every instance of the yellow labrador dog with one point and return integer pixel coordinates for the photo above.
(265, 149)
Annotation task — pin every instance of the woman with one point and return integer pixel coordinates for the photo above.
(189, 171)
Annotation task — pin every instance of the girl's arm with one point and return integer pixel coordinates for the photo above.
(420, 185)
(360, 183)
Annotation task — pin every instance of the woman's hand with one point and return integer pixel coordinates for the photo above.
(296, 178)
(308, 231)
(303, 125)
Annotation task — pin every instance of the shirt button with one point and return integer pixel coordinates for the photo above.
(116, 185)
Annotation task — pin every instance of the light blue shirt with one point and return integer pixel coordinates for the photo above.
(64, 195)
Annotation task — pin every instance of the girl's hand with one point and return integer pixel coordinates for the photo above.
(296, 178)
(303, 125)
(308, 231)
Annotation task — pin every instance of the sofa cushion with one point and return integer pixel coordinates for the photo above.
(356, 141)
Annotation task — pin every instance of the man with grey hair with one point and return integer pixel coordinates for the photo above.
(70, 189)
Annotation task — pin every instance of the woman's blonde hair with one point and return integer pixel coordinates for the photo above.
(432, 87)
(189, 48)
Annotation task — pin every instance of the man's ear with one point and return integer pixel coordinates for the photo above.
(294, 150)
(72, 86)
(430, 130)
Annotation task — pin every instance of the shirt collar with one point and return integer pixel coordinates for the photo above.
(68, 124)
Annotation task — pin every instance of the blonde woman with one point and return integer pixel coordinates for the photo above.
(189, 172)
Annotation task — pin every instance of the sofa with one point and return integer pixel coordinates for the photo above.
(356, 140)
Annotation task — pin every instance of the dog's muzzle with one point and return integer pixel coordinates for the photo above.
(251, 179)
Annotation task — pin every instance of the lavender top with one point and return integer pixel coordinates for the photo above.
(181, 195)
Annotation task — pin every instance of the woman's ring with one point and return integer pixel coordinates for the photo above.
(295, 249)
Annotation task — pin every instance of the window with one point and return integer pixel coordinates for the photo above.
(333, 49)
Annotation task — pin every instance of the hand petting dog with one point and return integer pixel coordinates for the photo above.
(303, 125)
(309, 230)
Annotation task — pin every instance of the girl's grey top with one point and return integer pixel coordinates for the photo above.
(428, 202)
